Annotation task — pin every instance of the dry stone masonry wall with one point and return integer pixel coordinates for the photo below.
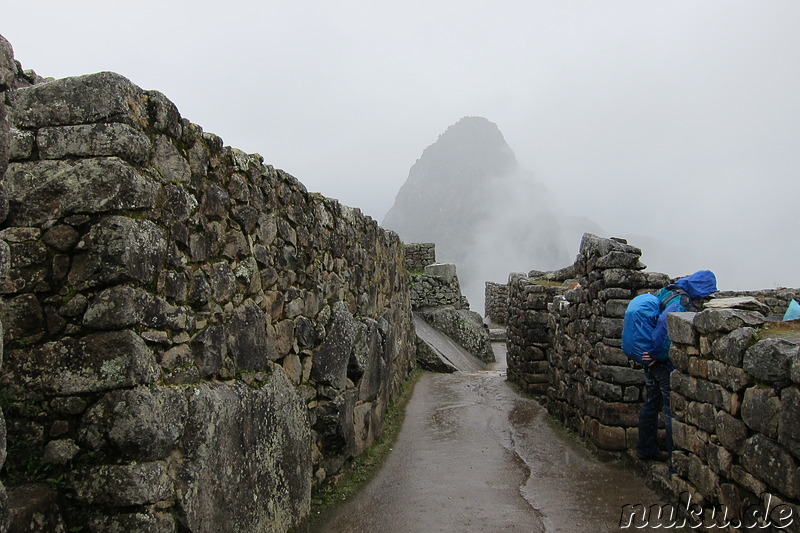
(496, 302)
(419, 255)
(192, 340)
(736, 400)
(735, 392)
(436, 297)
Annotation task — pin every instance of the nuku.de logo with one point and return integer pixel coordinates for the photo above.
(754, 515)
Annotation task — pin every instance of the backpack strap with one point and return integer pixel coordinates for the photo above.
(678, 292)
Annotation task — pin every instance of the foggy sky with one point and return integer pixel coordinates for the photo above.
(676, 121)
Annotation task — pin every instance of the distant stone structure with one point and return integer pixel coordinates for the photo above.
(735, 396)
(436, 297)
(419, 255)
(496, 302)
(192, 340)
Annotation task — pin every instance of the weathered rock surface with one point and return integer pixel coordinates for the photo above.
(176, 315)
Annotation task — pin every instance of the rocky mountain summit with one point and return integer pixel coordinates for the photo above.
(469, 195)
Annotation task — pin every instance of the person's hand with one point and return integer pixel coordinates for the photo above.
(647, 359)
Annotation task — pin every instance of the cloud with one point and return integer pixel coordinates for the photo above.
(676, 120)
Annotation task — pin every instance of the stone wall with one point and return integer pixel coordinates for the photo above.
(735, 397)
(9, 78)
(565, 343)
(496, 302)
(436, 297)
(419, 255)
(776, 300)
(192, 339)
(437, 285)
(736, 405)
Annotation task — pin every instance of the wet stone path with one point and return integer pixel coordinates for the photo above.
(474, 455)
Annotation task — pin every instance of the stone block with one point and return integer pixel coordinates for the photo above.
(125, 306)
(610, 355)
(330, 361)
(142, 424)
(364, 435)
(145, 522)
(701, 415)
(620, 375)
(719, 459)
(42, 191)
(760, 410)
(703, 477)
(689, 438)
(122, 485)
(606, 437)
(31, 507)
(444, 271)
(120, 249)
(726, 320)
(602, 389)
(680, 328)
(613, 413)
(22, 317)
(616, 308)
(619, 259)
(335, 428)
(730, 349)
(210, 348)
(96, 362)
(247, 338)
(171, 165)
(770, 462)
(21, 145)
(241, 439)
(788, 426)
(101, 97)
(769, 360)
(93, 140)
(731, 377)
(610, 327)
(731, 431)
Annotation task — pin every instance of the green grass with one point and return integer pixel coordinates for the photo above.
(362, 468)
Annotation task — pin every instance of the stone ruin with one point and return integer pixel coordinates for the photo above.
(496, 302)
(192, 340)
(735, 395)
(436, 298)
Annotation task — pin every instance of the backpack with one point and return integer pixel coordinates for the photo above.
(641, 320)
(641, 317)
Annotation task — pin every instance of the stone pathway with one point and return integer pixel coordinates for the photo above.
(474, 455)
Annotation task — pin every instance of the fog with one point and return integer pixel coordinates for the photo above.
(675, 124)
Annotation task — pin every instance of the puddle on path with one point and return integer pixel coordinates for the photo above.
(474, 455)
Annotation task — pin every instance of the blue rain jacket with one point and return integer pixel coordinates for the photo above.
(677, 298)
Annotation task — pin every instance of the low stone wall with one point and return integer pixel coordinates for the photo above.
(419, 255)
(736, 405)
(776, 300)
(192, 339)
(496, 302)
(436, 286)
(566, 343)
(735, 397)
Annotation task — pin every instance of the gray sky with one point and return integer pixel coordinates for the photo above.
(678, 120)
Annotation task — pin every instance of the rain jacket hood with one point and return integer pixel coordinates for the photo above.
(701, 284)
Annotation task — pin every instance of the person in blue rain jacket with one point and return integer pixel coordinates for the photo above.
(686, 294)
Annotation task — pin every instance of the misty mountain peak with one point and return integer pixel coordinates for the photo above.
(467, 194)
(472, 148)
